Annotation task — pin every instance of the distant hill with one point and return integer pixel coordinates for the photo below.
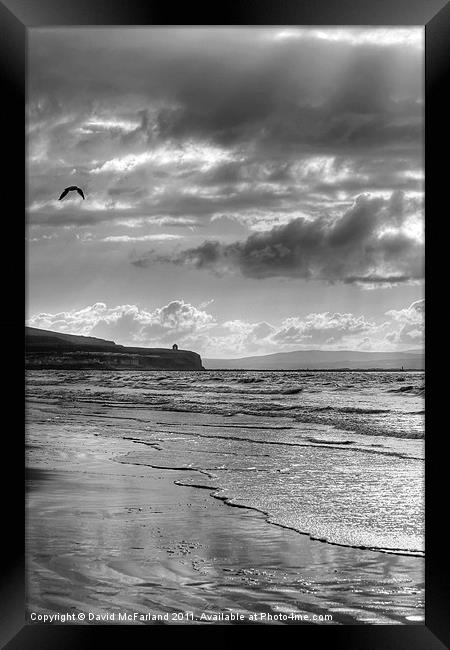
(321, 359)
(45, 349)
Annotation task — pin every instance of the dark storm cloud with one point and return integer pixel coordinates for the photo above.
(233, 86)
(356, 248)
(290, 97)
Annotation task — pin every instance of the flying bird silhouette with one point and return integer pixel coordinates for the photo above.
(72, 188)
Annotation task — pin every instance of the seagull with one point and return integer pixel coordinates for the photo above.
(72, 188)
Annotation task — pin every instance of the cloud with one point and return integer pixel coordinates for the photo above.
(411, 322)
(377, 36)
(359, 247)
(176, 319)
(84, 321)
(324, 328)
(129, 324)
(195, 328)
(128, 238)
(378, 281)
(236, 337)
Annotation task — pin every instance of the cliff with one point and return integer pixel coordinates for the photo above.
(52, 350)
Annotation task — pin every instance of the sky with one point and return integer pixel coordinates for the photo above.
(248, 190)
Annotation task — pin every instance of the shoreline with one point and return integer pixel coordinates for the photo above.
(214, 493)
(105, 535)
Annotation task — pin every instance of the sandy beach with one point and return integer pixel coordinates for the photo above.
(108, 539)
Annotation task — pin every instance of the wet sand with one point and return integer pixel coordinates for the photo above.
(106, 537)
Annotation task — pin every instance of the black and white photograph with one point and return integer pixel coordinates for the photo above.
(225, 325)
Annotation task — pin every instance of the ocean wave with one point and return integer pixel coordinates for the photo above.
(249, 380)
(415, 390)
(350, 409)
(331, 442)
(402, 389)
(370, 403)
(363, 411)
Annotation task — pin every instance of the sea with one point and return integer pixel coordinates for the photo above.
(338, 456)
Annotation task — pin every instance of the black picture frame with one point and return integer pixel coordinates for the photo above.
(16, 17)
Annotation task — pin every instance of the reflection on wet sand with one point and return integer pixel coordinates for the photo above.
(105, 536)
